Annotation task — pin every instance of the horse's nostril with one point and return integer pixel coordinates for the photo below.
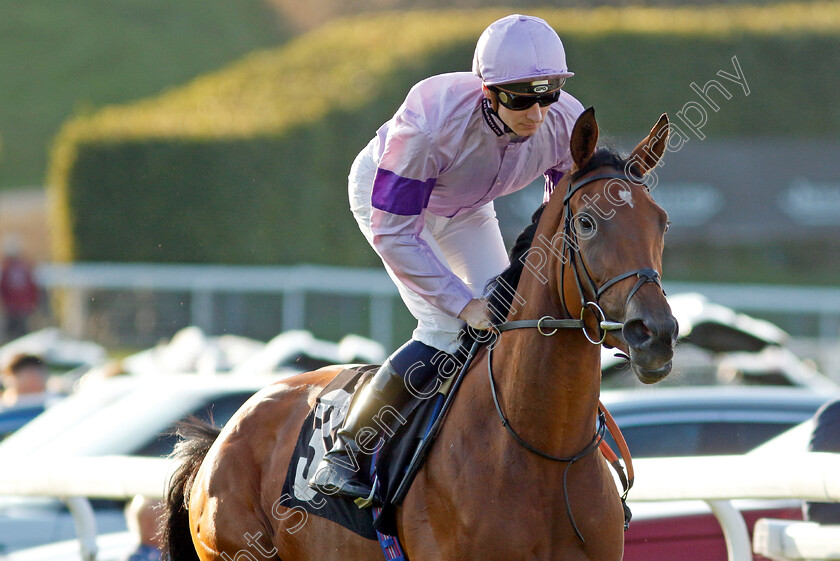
(674, 329)
(636, 333)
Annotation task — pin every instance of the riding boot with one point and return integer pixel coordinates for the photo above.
(338, 473)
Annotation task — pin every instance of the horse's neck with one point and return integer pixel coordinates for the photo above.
(549, 386)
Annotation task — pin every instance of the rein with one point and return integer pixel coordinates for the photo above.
(545, 323)
(605, 422)
(593, 445)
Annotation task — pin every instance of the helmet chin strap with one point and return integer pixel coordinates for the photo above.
(491, 95)
(490, 110)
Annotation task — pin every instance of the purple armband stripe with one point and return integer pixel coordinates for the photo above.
(552, 178)
(400, 195)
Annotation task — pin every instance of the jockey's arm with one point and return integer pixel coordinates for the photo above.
(401, 189)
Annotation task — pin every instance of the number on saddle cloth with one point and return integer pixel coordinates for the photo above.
(402, 437)
(317, 435)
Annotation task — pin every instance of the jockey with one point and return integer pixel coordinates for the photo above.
(422, 192)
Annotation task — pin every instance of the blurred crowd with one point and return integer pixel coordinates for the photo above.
(24, 380)
(23, 391)
(19, 294)
(143, 518)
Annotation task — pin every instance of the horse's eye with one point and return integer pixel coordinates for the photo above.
(585, 225)
(667, 226)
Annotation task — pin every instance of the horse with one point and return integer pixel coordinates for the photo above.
(515, 471)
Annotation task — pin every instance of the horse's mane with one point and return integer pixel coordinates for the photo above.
(502, 287)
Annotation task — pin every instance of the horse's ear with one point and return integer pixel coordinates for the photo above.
(649, 151)
(584, 137)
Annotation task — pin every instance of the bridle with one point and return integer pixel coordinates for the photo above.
(575, 260)
(572, 248)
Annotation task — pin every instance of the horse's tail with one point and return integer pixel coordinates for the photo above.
(196, 438)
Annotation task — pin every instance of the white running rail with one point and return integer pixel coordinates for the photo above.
(714, 479)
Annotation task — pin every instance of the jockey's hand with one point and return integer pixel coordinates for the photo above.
(476, 314)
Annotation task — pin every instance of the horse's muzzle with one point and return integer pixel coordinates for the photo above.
(651, 343)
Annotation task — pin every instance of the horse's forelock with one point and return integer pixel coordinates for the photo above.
(603, 157)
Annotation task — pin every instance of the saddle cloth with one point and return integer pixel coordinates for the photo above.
(317, 435)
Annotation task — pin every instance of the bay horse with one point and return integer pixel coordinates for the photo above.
(482, 493)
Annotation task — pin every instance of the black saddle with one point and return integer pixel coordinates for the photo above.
(387, 468)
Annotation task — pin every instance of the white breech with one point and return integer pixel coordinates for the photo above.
(470, 244)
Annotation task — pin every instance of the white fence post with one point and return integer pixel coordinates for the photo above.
(382, 320)
(294, 310)
(735, 531)
(201, 310)
(85, 523)
(829, 326)
(75, 312)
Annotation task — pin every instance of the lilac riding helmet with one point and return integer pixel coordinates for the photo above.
(519, 48)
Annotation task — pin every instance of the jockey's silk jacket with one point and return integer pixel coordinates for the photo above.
(446, 152)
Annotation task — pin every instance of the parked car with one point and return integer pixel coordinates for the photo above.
(135, 414)
(131, 415)
(717, 345)
(704, 421)
(12, 418)
(114, 546)
(688, 531)
(191, 350)
(60, 351)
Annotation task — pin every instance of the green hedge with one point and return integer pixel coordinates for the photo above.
(59, 58)
(249, 164)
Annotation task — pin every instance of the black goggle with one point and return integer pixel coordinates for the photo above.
(520, 102)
